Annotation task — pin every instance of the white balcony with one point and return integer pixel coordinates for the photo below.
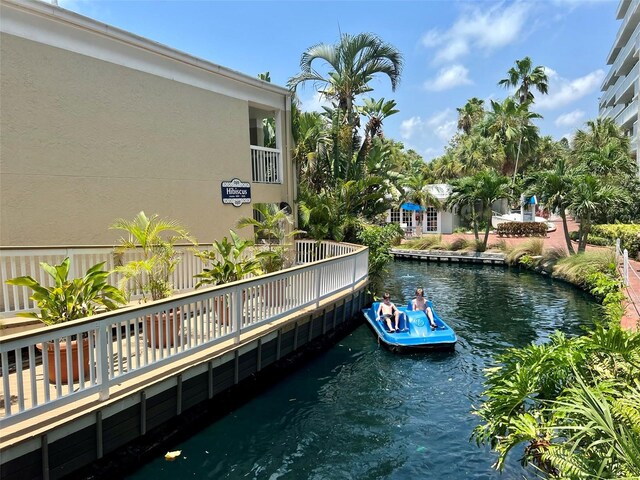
(625, 91)
(628, 54)
(266, 165)
(628, 115)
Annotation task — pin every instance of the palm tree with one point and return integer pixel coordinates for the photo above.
(470, 115)
(591, 196)
(463, 194)
(475, 152)
(489, 187)
(376, 112)
(353, 62)
(603, 149)
(509, 123)
(526, 77)
(555, 187)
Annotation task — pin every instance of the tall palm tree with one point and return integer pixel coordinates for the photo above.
(353, 62)
(510, 124)
(470, 115)
(526, 77)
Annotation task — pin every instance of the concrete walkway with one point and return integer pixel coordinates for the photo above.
(631, 318)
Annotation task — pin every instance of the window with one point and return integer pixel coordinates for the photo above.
(395, 215)
(431, 219)
(407, 217)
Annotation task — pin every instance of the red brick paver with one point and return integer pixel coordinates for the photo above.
(631, 318)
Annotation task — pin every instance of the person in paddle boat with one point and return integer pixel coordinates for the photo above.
(387, 311)
(420, 304)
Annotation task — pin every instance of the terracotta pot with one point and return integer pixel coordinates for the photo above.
(75, 360)
(158, 321)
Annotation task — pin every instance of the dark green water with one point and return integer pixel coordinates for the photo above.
(361, 412)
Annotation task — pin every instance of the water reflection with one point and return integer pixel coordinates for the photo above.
(360, 411)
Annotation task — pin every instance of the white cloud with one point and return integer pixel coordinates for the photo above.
(480, 29)
(449, 77)
(409, 127)
(569, 119)
(563, 91)
(314, 103)
(441, 125)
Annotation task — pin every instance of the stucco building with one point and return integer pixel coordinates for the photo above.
(620, 87)
(97, 123)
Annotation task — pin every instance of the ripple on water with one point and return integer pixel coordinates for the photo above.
(359, 411)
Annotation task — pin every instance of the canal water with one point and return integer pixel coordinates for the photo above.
(361, 412)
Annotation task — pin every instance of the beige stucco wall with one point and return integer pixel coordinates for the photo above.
(84, 141)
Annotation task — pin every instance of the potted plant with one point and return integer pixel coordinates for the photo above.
(272, 227)
(227, 262)
(154, 239)
(70, 299)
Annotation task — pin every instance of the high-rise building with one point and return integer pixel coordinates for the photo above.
(620, 87)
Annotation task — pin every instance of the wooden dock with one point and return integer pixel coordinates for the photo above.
(487, 258)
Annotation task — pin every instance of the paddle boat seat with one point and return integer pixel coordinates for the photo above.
(402, 324)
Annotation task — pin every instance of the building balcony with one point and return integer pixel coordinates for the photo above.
(627, 56)
(628, 115)
(628, 86)
(266, 165)
(622, 9)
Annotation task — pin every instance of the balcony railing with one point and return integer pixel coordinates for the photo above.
(125, 344)
(266, 166)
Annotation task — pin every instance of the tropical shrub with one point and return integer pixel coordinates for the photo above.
(576, 268)
(531, 247)
(459, 244)
(594, 240)
(522, 229)
(422, 243)
(378, 239)
(629, 235)
(573, 403)
(226, 261)
(155, 238)
(70, 299)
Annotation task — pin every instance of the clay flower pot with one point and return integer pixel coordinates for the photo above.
(75, 360)
(158, 322)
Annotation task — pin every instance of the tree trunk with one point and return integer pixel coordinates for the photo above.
(584, 227)
(486, 232)
(474, 221)
(567, 237)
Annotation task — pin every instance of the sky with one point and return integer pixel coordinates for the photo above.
(452, 50)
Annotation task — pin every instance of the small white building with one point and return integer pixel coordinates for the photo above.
(417, 220)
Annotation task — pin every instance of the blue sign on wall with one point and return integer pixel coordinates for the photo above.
(236, 192)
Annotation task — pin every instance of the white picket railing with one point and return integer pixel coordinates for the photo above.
(126, 343)
(15, 262)
(265, 165)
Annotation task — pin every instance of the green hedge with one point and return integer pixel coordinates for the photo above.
(594, 240)
(522, 229)
(629, 235)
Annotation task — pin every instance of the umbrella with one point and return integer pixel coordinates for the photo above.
(412, 207)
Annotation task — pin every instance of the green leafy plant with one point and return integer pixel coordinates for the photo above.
(155, 238)
(70, 299)
(273, 226)
(227, 262)
(422, 243)
(629, 235)
(378, 239)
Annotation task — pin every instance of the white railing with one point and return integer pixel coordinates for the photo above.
(625, 262)
(15, 262)
(266, 166)
(131, 342)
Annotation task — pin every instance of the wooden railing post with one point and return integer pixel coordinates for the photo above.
(102, 360)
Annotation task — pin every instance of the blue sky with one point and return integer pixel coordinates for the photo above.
(453, 50)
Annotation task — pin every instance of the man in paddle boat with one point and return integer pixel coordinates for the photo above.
(387, 311)
(420, 304)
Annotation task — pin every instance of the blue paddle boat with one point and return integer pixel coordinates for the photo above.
(415, 333)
